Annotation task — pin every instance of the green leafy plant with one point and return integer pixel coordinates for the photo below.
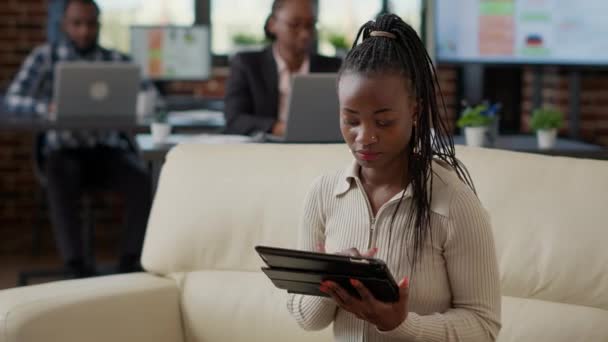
(338, 41)
(546, 118)
(474, 117)
(246, 39)
(161, 116)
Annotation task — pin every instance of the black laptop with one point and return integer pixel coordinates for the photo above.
(314, 112)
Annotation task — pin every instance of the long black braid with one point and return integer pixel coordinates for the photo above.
(406, 55)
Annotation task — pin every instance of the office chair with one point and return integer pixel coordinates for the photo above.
(88, 219)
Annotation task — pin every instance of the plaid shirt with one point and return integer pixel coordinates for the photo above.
(31, 92)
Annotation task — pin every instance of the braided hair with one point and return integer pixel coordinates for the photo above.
(391, 46)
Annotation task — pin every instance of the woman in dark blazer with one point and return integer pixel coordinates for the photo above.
(256, 88)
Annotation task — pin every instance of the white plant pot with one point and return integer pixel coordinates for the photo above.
(476, 136)
(160, 132)
(546, 138)
(146, 102)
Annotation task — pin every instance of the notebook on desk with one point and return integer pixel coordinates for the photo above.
(313, 111)
(96, 91)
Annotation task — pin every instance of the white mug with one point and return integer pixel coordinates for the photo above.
(160, 132)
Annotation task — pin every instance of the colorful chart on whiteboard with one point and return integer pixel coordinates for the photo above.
(522, 31)
(172, 52)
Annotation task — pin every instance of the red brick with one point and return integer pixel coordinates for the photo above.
(9, 12)
(594, 99)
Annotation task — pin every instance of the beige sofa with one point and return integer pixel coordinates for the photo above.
(214, 203)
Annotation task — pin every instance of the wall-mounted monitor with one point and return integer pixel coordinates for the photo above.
(558, 32)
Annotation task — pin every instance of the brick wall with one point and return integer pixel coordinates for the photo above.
(594, 107)
(556, 92)
(22, 26)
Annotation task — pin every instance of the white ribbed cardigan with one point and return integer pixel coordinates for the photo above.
(454, 292)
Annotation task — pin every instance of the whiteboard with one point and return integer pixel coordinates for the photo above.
(172, 52)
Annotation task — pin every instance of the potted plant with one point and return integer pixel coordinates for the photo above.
(339, 42)
(246, 42)
(545, 121)
(476, 125)
(160, 127)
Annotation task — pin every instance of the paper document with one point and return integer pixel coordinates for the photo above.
(197, 116)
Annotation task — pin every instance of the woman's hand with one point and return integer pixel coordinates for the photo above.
(385, 316)
(278, 128)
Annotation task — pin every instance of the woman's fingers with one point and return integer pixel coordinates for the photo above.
(366, 296)
(352, 252)
(370, 253)
(320, 247)
(404, 289)
(341, 295)
(332, 293)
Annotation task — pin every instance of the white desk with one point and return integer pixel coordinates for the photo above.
(154, 154)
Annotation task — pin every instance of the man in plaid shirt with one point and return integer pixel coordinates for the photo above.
(75, 161)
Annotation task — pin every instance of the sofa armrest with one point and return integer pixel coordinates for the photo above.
(133, 307)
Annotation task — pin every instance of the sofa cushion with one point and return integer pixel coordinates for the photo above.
(244, 306)
(238, 306)
(214, 203)
(550, 222)
(529, 320)
(132, 307)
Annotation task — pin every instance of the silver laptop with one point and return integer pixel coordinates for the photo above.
(96, 91)
(313, 111)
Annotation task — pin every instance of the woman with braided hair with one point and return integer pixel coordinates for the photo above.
(406, 200)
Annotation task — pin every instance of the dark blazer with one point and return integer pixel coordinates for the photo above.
(252, 90)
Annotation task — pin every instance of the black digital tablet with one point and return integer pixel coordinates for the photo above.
(302, 272)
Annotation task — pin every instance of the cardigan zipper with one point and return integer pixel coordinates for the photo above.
(372, 237)
(372, 229)
(371, 244)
